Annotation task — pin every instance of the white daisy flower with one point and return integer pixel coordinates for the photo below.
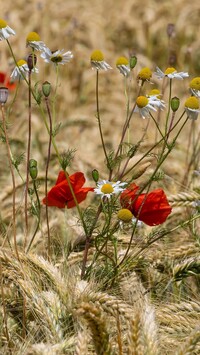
(5, 30)
(144, 105)
(122, 64)
(57, 57)
(171, 73)
(144, 74)
(192, 107)
(33, 41)
(21, 70)
(195, 86)
(97, 61)
(108, 188)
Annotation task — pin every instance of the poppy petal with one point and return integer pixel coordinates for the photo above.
(152, 208)
(60, 195)
(80, 196)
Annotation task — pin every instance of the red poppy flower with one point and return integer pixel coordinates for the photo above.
(5, 80)
(60, 195)
(151, 208)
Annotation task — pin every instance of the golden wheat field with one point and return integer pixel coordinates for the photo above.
(84, 280)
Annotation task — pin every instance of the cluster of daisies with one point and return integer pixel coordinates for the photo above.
(152, 101)
(144, 104)
(33, 41)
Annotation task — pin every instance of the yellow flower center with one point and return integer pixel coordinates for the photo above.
(142, 101)
(56, 59)
(145, 74)
(125, 215)
(21, 62)
(154, 92)
(3, 24)
(195, 83)
(122, 61)
(107, 189)
(192, 102)
(170, 70)
(33, 37)
(97, 56)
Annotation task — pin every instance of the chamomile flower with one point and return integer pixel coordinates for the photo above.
(122, 64)
(33, 41)
(144, 105)
(98, 62)
(107, 188)
(57, 57)
(171, 73)
(5, 30)
(154, 93)
(21, 70)
(195, 86)
(125, 215)
(192, 107)
(145, 74)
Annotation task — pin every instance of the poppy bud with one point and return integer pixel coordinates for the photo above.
(95, 175)
(133, 61)
(3, 95)
(46, 88)
(31, 61)
(175, 102)
(33, 170)
(170, 30)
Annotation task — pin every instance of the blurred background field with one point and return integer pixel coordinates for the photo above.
(117, 28)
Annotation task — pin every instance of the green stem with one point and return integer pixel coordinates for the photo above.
(13, 181)
(99, 120)
(46, 177)
(28, 157)
(38, 215)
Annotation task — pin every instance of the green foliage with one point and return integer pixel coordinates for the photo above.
(67, 158)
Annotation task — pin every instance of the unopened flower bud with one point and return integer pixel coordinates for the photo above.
(133, 61)
(46, 88)
(95, 175)
(31, 61)
(175, 102)
(3, 95)
(33, 170)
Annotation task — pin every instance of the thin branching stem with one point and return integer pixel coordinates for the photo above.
(28, 158)
(99, 119)
(13, 181)
(38, 208)
(46, 177)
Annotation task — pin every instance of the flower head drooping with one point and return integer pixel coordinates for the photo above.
(125, 215)
(60, 195)
(57, 57)
(5, 30)
(33, 41)
(151, 208)
(145, 74)
(107, 188)
(192, 107)
(144, 105)
(21, 70)
(97, 61)
(122, 64)
(5, 81)
(171, 73)
(195, 86)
